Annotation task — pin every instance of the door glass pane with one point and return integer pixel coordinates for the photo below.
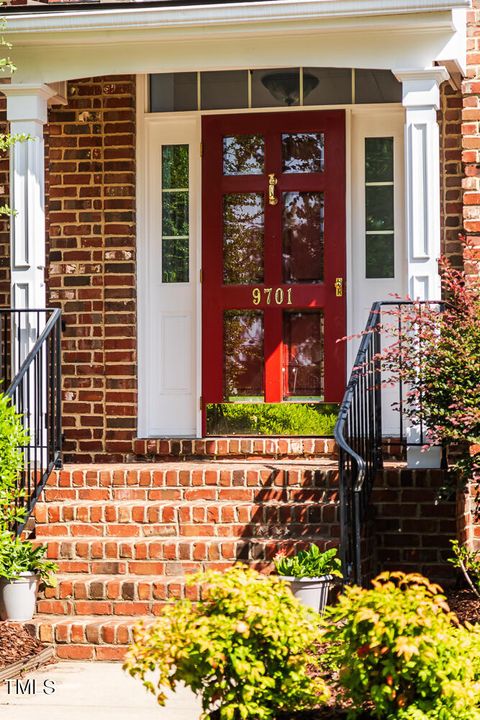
(173, 92)
(379, 207)
(303, 354)
(379, 159)
(243, 355)
(243, 228)
(224, 89)
(303, 152)
(377, 86)
(333, 86)
(175, 214)
(275, 88)
(380, 258)
(303, 237)
(243, 155)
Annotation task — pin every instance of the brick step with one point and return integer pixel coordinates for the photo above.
(233, 447)
(93, 637)
(249, 544)
(114, 596)
(152, 518)
(122, 588)
(173, 476)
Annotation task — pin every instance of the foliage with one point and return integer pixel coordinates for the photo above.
(242, 647)
(310, 563)
(437, 357)
(12, 440)
(400, 648)
(469, 563)
(272, 419)
(17, 556)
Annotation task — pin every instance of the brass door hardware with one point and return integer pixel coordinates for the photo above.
(272, 181)
(339, 287)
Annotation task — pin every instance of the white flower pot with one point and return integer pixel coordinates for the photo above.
(312, 592)
(18, 597)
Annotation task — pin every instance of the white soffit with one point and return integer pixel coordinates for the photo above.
(52, 46)
(435, 14)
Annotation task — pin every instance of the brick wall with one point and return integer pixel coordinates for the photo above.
(4, 222)
(468, 516)
(451, 173)
(91, 269)
(414, 523)
(471, 142)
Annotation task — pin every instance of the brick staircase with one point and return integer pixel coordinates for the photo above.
(124, 536)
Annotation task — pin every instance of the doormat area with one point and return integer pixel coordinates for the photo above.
(270, 419)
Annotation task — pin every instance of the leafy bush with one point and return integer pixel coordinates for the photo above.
(12, 440)
(437, 356)
(469, 563)
(399, 647)
(271, 419)
(17, 556)
(243, 647)
(309, 563)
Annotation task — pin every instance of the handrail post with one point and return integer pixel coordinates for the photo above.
(35, 391)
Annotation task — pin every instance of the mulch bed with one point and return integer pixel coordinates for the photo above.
(465, 604)
(16, 644)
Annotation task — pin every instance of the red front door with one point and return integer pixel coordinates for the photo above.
(273, 257)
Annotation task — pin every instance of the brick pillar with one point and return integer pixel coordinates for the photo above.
(92, 264)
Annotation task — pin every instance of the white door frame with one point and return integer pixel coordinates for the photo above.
(389, 120)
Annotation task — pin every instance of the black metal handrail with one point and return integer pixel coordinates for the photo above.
(359, 435)
(30, 353)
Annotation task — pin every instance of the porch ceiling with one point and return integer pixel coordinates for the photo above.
(161, 37)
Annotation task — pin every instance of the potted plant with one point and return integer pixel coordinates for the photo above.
(310, 573)
(22, 566)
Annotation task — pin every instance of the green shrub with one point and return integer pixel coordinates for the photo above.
(243, 647)
(12, 440)
(309, 563)
(17, 556)
(399, 647)
(271, 419)
(469, 563)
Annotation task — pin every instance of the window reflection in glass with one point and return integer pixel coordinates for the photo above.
(303, 354)
(303, 237)
(379, 159)
(243, 354)
(303, 152)
(243, 155)
(173, 92)
(379, 207)
(175, 214)
(243, 227)
(224, 89)
(380, 259)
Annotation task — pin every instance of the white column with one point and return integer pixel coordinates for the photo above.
(27, 114)
(421, 99)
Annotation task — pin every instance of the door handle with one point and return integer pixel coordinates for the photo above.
(272, 181)
(339, 287)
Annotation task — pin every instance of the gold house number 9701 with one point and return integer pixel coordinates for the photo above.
(272, 296)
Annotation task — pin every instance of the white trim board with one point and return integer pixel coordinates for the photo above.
(101, 18)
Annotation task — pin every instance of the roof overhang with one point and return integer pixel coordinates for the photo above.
(166, 37)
